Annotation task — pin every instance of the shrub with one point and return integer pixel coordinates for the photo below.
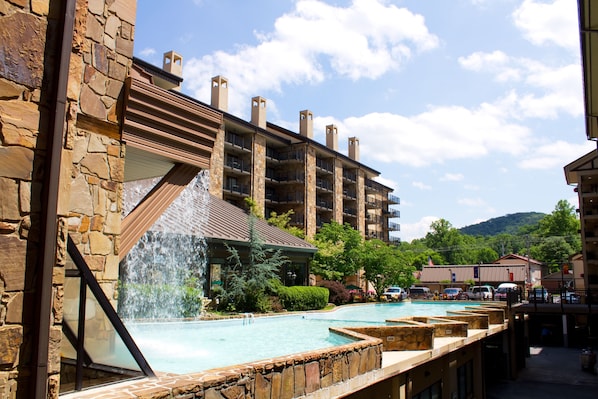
(303, 298)
(339, 295)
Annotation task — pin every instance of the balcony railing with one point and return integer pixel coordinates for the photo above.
(323, 203)
(272, 154)
(350, 211)
(295, 155)
(238, 164)
(237, 141)
(394, 226)
(350, 194)
(324, 165)
(290, 176)
(242, 189)
(324, 184)
(349, 175)
(393, 199)
(392, 213)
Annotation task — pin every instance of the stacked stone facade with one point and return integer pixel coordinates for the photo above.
(91, 167)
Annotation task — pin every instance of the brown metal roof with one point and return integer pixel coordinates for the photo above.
(228, 223)
(213, 218)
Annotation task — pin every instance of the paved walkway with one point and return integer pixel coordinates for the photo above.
(550, 372)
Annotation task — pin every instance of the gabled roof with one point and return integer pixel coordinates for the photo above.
(588, 162)
(521, 258)
(196, 212)
(227, 222)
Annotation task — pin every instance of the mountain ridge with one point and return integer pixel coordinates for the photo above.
(509, 224)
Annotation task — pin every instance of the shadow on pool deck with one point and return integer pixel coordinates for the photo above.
(550, 372)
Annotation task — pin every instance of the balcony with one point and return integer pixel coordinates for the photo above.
(394, 226)
(324, 204)
(373, 219)
(324, 184)
(350, 176)
(324, 165)
(291, 198)
(372, 203)
(393, 199)
(351, 194)
(272, 154)
(392, 213)
(290, 176)
(292, 156)
(350, 211)
(237, 141)
(373, 186)
(241, 189)
(237, 164)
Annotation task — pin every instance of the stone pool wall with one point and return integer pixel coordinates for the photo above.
(401, 337)
(283, 377)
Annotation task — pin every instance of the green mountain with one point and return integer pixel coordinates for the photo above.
(509, 224)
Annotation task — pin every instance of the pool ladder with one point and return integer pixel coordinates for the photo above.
(247, 318)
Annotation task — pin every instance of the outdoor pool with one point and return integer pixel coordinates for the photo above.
(192, 346)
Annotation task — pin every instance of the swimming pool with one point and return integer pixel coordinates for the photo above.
(192, 346)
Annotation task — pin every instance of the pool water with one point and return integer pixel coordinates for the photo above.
(192, 346)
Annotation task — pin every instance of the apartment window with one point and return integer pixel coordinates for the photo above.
(434, 391)
(465, 381)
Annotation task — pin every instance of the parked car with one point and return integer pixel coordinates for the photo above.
(569, 297)
(395, 294)
(503, 289)
(481, 292)
(539, 295)
(454, 293)
(420, 293)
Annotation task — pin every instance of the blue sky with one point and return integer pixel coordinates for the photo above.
(469, 109)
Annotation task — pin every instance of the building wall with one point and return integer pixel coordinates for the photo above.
(91, 168)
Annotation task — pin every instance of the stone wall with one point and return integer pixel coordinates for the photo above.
(23, 135)
(92, 168)
(401, 337)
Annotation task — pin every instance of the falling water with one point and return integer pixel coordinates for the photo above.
(163, 276)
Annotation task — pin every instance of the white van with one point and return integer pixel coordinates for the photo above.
(481, 292)
(503, 289)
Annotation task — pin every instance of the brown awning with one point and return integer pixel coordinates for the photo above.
(169, 124)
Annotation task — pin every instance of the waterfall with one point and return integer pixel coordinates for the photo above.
(163, 275)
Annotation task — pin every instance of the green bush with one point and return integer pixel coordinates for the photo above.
(303, 298)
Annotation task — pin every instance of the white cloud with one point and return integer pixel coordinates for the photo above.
(421, 185)
(364, 40)
(452, 177)
(436, 136)
(543, 91)
(549, 23)
(147, 52)
(419, 229)
(555, 154)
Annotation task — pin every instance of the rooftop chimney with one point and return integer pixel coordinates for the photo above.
(354, 148)
(258, 111)
(220, 93)
(306, 124)
(332, 137)
(173, 63)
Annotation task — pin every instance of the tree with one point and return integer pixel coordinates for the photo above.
(562, 222)
(338, 251)
(447, 241)
(246, 283)
(283, 222)
(554, 251)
